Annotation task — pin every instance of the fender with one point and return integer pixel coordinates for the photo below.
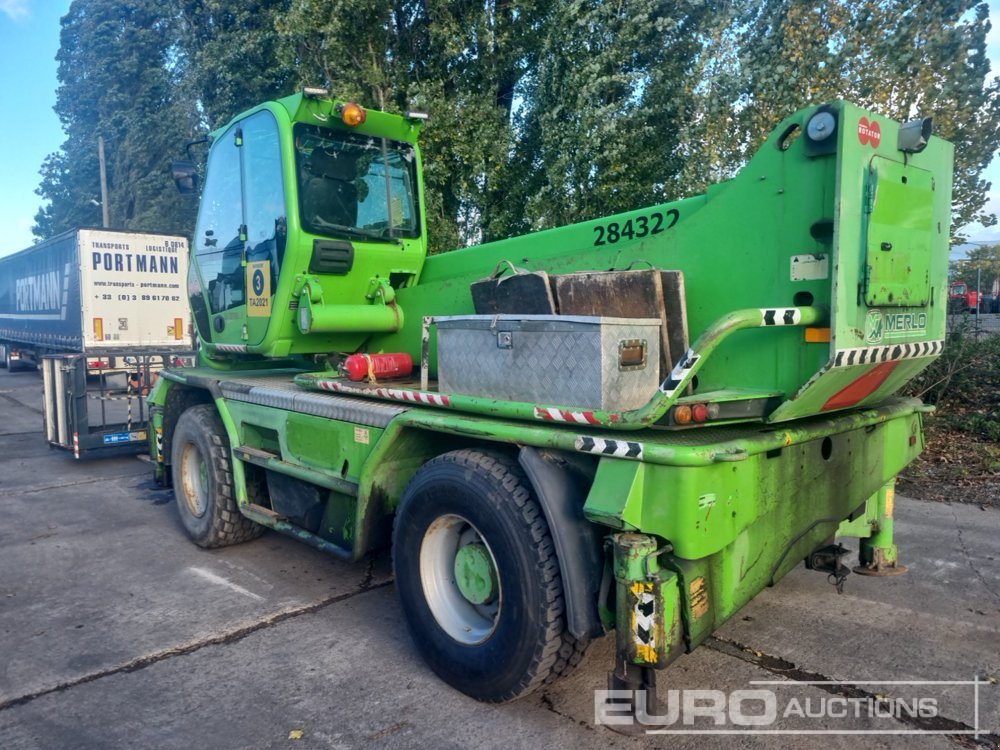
(561, 488)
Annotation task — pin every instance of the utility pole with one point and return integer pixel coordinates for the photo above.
(104, 182)
(979, 297)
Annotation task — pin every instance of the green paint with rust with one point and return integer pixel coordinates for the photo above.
(702, 510)
(900, 231)
(340, 519)
(878, 549)
(648, 627)
(728, 551)
(475, 574)
(328, 444)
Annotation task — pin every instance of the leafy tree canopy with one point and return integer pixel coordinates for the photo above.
(116, 81)
(982, 265)
(543, 112)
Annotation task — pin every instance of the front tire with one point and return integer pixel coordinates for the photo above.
(201, 468)
(478, 578)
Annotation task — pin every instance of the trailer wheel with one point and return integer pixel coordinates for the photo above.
(203, 481)
(478, 577)
(10, 364)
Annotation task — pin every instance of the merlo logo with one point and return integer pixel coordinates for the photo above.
(873, 327)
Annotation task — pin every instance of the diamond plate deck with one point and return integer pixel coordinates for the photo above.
(280, 392)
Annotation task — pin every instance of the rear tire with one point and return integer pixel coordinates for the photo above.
(478, 578)
(3, 356)
(202, 474)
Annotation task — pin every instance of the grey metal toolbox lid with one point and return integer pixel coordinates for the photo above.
(573, 360)
(554, 323)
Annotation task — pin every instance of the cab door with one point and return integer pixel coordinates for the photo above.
(264, 220)
(216, 278)
(240, 238)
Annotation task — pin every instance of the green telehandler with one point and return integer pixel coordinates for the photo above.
(634, 423)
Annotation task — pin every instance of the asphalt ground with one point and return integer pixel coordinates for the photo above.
(116, 632)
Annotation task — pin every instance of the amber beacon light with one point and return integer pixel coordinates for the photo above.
(352, 114)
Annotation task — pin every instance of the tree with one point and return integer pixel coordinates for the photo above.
(898, 58)
(982, 265)
(461, 62)
(543, 112)
(612, 91)
(116, 81)
(227, 56)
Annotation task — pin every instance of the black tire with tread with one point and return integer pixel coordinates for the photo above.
(571, 654)
(530, 646)
(222, 524)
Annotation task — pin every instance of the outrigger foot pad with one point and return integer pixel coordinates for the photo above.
(889, 569)
(633, 694)
(880, 564)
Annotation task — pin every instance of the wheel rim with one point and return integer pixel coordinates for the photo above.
(194, 478)
(458, 572)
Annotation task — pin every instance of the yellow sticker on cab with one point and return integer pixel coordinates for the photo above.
(258, 284)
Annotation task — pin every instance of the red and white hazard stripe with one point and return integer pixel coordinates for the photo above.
(415, 397)
(564, 415)
(394, 394)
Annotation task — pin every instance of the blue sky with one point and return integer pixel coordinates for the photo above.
(29, 39)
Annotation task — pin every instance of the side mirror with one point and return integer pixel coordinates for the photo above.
(185, 175)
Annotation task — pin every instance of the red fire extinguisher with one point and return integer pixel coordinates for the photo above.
(377, 366)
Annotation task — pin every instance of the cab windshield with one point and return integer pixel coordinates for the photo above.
(355, 186)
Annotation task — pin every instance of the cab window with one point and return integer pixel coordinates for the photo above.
(355, 186)
(217, 244)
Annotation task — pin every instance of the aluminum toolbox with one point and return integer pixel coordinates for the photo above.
(559, 360)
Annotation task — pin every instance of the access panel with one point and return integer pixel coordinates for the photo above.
(901, 205)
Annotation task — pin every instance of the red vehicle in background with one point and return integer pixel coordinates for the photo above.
(962, 299)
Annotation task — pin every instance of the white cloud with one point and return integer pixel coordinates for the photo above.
(976, 232)
(16, 10)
